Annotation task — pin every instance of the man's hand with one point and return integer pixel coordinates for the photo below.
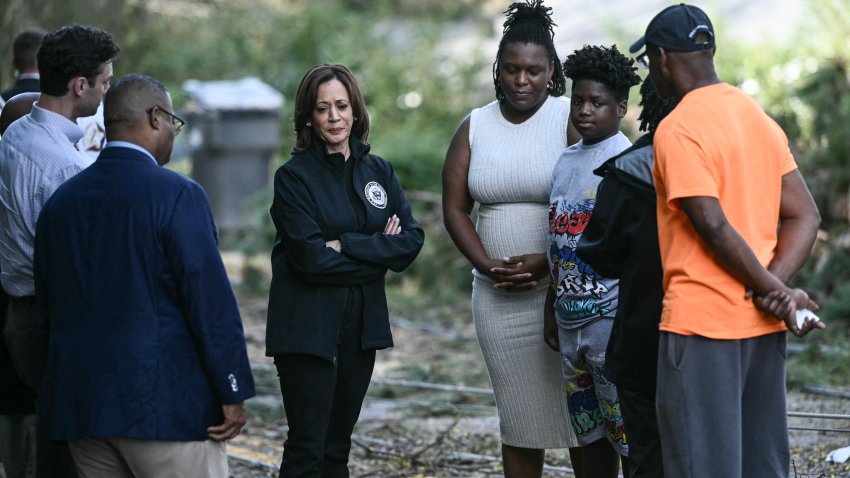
(777, 303)
(234, 419)
(802, 301)
(783, 304)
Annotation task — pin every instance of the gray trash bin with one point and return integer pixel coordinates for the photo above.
(234, 132)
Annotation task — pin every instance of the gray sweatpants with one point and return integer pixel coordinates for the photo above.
(721, 406)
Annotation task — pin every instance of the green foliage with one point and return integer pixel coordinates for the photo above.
(827, 92)
(822, 362)
(827, 275)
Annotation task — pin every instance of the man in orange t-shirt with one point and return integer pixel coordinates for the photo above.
(735, 221)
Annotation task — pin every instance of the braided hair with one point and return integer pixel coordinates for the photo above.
(530, 22)
(605, 65)
(655, 108)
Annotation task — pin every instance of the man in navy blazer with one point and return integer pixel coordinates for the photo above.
(147, 368)
(25, 61)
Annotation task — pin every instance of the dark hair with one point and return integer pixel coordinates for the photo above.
(73, 51)
(655, 108)
(305, 103)
(605, 65)
(25, 48)
(128, 99)
(530, 22)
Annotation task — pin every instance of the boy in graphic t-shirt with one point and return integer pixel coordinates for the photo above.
(581, 304)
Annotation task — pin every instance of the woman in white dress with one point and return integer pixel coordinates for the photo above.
(502, 157)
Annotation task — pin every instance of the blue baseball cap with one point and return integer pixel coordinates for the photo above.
(676, 28)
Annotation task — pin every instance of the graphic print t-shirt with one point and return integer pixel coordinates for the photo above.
(581, 295)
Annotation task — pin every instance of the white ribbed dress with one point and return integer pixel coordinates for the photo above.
(510, 174)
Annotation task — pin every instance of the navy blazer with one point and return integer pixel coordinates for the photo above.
(309, 280)
(22, 85)
(145, 335)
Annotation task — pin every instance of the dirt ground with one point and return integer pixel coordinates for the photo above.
(410, 428)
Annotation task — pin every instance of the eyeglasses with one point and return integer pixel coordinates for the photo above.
(176, 121)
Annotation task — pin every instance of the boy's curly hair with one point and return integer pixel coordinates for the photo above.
(530, 22)
(605, 65)
(655, 108)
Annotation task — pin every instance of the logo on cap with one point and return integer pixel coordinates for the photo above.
(699, 28)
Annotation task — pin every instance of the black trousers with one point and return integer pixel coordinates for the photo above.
(641, 424)
(322, 401)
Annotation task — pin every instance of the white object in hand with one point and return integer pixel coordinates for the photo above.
(803, 314)
(839, 455)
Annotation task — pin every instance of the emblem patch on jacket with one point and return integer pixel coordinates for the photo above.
(376, 195)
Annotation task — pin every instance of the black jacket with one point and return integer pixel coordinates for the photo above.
(22, 85)
(309, 280)
(622, 241)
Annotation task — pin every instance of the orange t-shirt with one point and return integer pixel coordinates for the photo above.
(718, 142)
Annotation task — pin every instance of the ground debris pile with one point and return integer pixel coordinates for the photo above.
(391, 449)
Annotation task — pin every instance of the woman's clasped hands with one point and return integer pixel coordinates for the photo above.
(518, 273)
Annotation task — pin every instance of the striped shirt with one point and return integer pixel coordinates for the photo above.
(37, 155)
